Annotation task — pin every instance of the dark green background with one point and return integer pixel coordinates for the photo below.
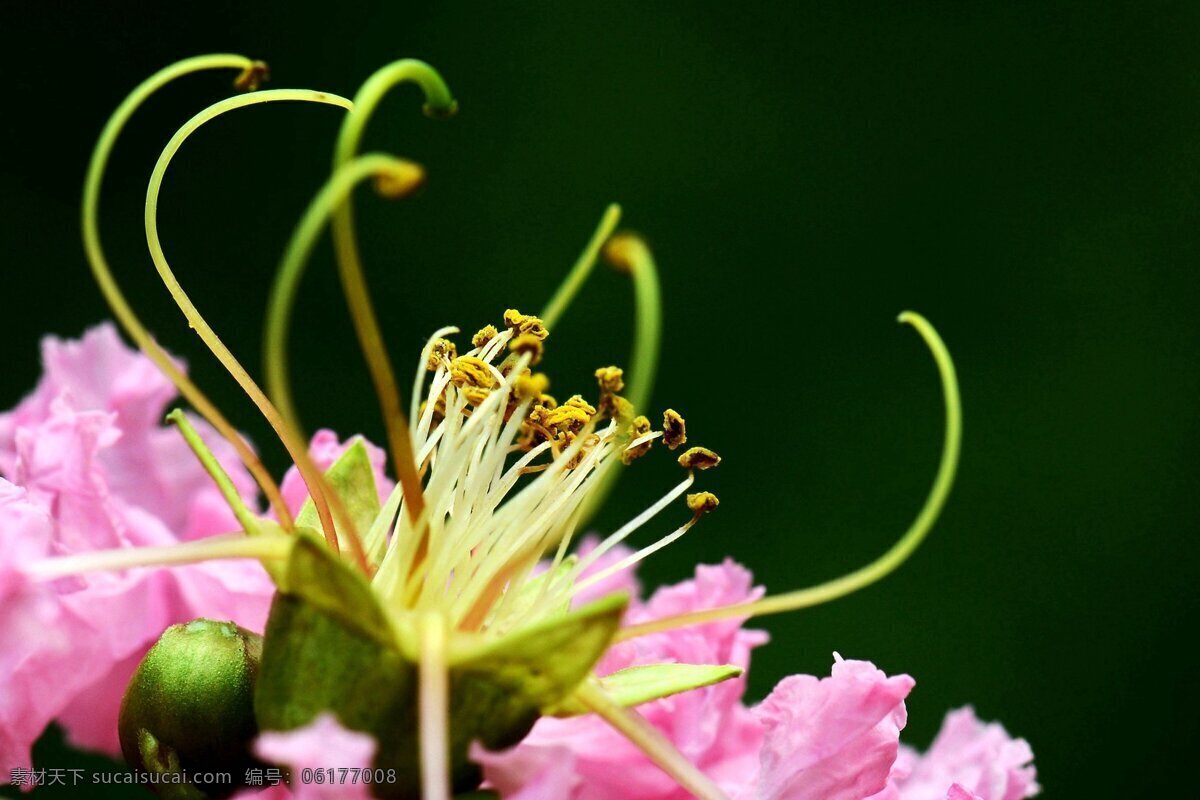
(1024, 174)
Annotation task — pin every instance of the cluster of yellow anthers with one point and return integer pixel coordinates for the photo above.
(494, 474)
(487, 531)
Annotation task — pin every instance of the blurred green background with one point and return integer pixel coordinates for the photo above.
(1024, 174)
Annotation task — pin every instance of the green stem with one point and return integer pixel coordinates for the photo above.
(438, 102)
(583, 267)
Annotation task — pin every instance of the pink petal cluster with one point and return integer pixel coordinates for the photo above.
(87, 465)
(834, 738)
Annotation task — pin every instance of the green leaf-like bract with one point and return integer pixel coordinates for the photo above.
(329, 646)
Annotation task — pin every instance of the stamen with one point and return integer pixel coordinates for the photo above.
(889, 561)
(641, 519)
(438, 102)
(403, 176)
(583, 267)
(650, 740)
(112, 292)
(701, 503)
(433, 708)
(249, 522)
(269, 547)
(296, 449)
(628, 253)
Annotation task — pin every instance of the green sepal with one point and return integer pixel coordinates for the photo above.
(352, 478)
(316, 659)
(530, 601)
(636, 685)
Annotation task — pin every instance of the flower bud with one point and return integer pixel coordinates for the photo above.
(189, 708)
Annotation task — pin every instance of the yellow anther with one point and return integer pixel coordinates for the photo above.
(471, 371)
(620, 409)
(640, 427)
(702, 502)
(699, 458)
(525, 323)
(624, 250)
(533, 386)
(400, 180)
(674, 429)
(528, 343)
(443, 350)
(252, 77)
(577, 401)
(611, 379)
(483, 336)
(475, 394)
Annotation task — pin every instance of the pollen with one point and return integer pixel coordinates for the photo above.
(471, 371)
(611, 379)
(699, 458)
(520, 323)
(484, 336)
(702, 502)
(641, 427)
(674, 429)
(528, 344)
(442, 350)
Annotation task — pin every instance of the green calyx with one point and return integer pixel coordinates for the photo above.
(329, 646)
(189, 707)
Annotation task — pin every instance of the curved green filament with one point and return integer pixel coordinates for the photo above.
(401, 175)
(889, 561)
(111, 290)
(628, 252)
(296, 449)
(438, 102)
(583, 267)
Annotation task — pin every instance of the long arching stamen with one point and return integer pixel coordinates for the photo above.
(628, 253)
(650, 740)
(400, 177)
(438, 102)
(889, 561)
(252, 71)
(296, 449)
(583, 267)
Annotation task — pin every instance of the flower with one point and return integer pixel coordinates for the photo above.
(435, 593)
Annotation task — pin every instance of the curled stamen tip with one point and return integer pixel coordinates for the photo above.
(624, 250)
(400, 179)
(252, 77)
(702, 502)
(440, 111)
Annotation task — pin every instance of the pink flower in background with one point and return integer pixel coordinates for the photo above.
(87, 466)
(323, 744)
(834, 738)
(981, 757)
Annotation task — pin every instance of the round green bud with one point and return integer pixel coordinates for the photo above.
(189, 709)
